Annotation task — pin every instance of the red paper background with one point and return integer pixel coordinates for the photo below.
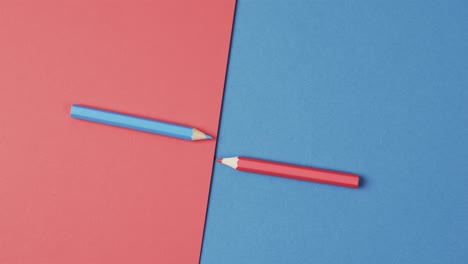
(79, 192)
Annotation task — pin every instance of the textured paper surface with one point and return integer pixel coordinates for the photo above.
(378, 88)
(78, 192)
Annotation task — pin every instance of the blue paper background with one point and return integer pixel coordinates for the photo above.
(379, 88)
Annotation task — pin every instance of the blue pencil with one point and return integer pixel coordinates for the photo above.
(137, 123)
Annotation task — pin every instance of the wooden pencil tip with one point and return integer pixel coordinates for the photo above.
(198, 135)
(231, 162)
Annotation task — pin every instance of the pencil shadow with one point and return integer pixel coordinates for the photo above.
(133, 114)
(363, 179)
(363, 182)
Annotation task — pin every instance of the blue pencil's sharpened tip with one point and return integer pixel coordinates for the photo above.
(208, 137)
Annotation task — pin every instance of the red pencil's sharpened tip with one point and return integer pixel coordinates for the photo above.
(220, 160)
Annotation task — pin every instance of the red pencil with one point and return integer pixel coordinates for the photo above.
(292, 171)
